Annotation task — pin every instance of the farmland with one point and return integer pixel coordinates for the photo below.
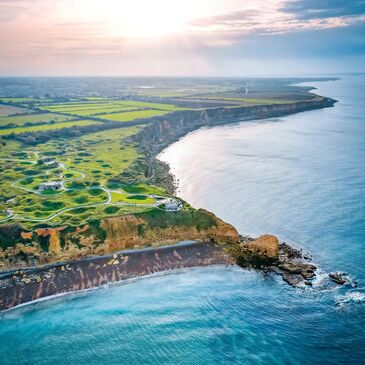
(85, 169)
(46, 127)
(47, 116)
(20, 120)
(128, 116)
(6, 110)
(64, 159)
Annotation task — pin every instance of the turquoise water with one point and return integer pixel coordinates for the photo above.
(301, 177)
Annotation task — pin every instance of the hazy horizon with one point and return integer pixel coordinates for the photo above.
(181, 38)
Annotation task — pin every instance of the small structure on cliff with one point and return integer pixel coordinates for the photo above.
(51, 185)
(49, 162)
(173, 205)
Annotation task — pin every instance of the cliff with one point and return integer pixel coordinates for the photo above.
(49, 245)
(164, 130)
(24, 286)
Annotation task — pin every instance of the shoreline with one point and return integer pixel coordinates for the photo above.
(118, 283)
(30, 284)
(164, 131)
(91, 272)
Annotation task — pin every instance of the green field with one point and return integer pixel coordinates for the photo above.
(90, 167)
(65, 107)
(246, 101)
(128, 116)
(85, 111)
(85, 165)
(122, 110)
(100, 173)
(32, 118)
(149, 105)
(47, 127)
(132, 199)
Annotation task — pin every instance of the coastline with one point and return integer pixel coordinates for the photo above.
(26, 286)
(31, 284)
(164, 131)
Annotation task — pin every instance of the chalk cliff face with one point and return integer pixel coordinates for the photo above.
(47, 245)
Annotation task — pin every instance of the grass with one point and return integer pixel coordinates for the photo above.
(100, 156)
(106, 105)
(134, 199)
(250, 101)
(159, 106)
(32, 118)
(96, 111)
(128, 116)
(8, 110)
(42, 207)
(47, 127)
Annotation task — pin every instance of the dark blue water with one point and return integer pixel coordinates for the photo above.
(301, 177)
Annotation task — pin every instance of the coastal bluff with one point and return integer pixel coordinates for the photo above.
(30, 248)
(24, 286)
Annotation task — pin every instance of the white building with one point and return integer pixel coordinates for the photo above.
(49, 162)
(51, 185)
(172, 205)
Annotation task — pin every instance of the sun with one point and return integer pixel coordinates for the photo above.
(140, 18)
(155, 18)
(145, 18)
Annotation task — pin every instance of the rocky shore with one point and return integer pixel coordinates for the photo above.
(264, 253)
(267, 254)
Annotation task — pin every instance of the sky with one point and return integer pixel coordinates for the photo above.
(181, 37)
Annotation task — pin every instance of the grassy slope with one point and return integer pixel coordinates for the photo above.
(47, 127)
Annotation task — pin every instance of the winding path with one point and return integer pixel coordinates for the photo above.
(157, 204)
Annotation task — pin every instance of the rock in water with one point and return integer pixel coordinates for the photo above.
(293, 279)
(338, 278)
(267, 244)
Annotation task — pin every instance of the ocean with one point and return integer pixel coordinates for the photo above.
(300, 177)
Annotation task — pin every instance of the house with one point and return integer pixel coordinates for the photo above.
(51, 185)
(172, 205)
(49, 162)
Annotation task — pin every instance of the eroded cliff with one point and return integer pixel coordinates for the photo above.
(47, 245)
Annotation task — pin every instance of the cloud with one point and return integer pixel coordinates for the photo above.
(283, 17)
(85, 36)
(314, 9)
(10, 9)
